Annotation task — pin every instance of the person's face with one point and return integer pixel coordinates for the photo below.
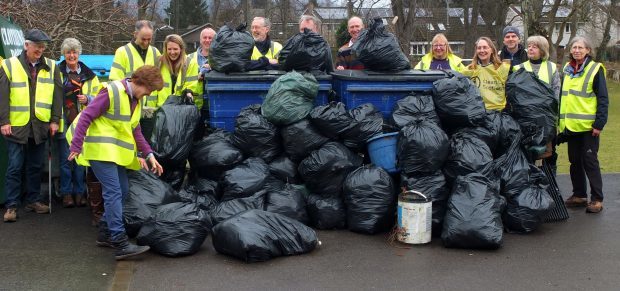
(173, 50)
(355, 25)
(144, 37)
(440, 49)
(483, 51)
(309, 24)
(511, 41)
(533, 52)
(206, 37)
(71, 57)
(579, 51)
(259, 30)
(34, 50)
(139, 91)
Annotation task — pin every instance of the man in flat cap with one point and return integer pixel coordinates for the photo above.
(30, 109)
(512, 50)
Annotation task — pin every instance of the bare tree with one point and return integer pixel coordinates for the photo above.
(95, 23)
(610, 15)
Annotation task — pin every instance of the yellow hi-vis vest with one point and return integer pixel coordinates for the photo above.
(109, 137)
(180, 84)
(578, 103)
(545, 72)
(127, 59)
(456, 63)
(272, 53)
(191, 79)
(90, 88)
(19, 97)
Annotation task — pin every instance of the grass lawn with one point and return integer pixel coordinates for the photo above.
(608, 152)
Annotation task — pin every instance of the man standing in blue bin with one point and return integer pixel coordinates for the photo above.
(266, 51)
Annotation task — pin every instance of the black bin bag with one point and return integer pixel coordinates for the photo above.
(458, 102)
(199, 191)
(422, 147)
(525, 211)
(284, 169)
(435, 187)
(532, 103)
(289, 202)
(473, 220)
(255, 135)
(202, 186)
(290, 98)
(368, 123)
(174, 176)
(326, 168)
(146, 193)
(468, 154)
(301, 138)
(176, 229)
(331, 119)
(213, 155)
(412, 107)
(326, 212)
(370, 199)
(379, 50)
(173, 134)
(257, 235)
(226, 209)
(305, 51)
(231, 49)
(244, 180)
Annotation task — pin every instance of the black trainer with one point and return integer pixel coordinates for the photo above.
(125, 249)
(103, 235)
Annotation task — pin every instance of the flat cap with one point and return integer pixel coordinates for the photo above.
(37, 35)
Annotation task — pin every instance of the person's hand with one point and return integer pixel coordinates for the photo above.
(53, 128)
(82, 99)
(6, 130)
(143, 164)
(189, 96)
(206, 66)
(596, 132)
(273, 61)
(339, 68)
(72, 156)
(155, 166)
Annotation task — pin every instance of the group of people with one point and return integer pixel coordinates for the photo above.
(97, 125)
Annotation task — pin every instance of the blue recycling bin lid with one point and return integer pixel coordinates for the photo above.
(268, 75)
(400, 76)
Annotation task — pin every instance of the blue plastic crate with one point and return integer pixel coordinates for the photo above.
(229, 93)
(383, 90)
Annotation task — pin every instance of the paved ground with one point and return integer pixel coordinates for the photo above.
(56, 252)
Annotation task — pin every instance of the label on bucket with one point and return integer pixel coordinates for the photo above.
(414, 222)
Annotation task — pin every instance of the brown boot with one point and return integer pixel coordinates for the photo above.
(594, 207)
(95, 198)
(575, 201)
(38, 207)
(10, 215)
(67, 201)
(80, 201)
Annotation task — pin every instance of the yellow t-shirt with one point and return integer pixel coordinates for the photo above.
(492, 84)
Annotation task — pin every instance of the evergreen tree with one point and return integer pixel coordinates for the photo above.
(184, 13)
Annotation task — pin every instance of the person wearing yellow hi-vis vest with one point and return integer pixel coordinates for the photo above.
(80, 86)
(106, 136)
(176, 71)
(30, 109)
(266, 51)
(584, 104)
(440, 57)
(489, 74)
(136, 54)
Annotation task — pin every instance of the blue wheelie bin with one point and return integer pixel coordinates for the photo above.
(228, 93)
(382, 89)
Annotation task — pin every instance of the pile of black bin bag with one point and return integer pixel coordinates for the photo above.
(260, 190)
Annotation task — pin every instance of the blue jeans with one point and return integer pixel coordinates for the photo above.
(33, 156)
(72, 175)
(115, 186)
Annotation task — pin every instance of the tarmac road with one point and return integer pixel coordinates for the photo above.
(57, 252)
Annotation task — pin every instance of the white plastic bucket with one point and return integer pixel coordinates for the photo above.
(415, 218)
